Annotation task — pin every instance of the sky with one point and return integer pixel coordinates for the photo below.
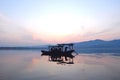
(39, 22)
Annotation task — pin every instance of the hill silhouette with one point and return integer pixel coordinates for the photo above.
(99, 44)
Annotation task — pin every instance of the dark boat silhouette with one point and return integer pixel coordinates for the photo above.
(59, 52)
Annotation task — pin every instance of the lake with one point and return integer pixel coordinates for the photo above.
(30, 65)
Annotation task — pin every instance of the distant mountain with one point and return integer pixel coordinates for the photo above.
(99, 44)
(24, 47)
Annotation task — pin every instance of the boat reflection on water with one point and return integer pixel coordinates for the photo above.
(61, 53)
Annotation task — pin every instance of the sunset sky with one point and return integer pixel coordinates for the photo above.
(39, 22)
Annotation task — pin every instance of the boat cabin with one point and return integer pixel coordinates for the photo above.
(61, 47)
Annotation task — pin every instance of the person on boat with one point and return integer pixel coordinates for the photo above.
(53, 51)
(65, 53)
(60, 53)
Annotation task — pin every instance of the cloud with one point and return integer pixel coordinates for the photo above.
(12, 34)
(109, 29)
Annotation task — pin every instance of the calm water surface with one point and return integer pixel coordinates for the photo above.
(29, 65)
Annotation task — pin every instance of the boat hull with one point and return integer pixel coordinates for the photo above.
(49, 53)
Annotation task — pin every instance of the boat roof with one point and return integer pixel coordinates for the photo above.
(69, 44)
(62, 45)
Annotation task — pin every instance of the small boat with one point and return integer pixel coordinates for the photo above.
(57, 52)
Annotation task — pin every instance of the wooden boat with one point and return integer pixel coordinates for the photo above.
(58, 51)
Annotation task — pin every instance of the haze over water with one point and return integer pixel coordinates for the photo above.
(29, 65)
(43, 22)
